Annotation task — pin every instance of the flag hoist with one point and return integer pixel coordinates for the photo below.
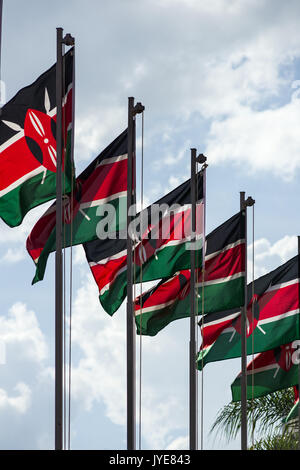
(133, 110)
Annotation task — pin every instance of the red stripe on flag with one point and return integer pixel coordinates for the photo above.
(17, 160)
(280, 355)
(40, 234)
(106, 273)
(277, 302)
(271, 304)
(210, 333)
(168, 291)
(105, 181)
(179, 226)
(227, 263)
(224, 264)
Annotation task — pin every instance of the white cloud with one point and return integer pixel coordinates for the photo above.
(162, 411)
(174, 181)
(284, 248)
(20, 402)
(178, 68)
(13, 256)
(14, 239)
(94, 130)
(24, 386)
(174, 159)
(21, 334)
(268, 256)
(267, 141)
(180, 443)
(100, 375)
(79, 257)
(20, 233)
(100, 338)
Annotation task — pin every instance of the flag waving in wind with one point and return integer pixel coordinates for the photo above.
(272, 316)
(223, 286)
(161, 250)
(269, 371)
(102, 183)
(28, 144)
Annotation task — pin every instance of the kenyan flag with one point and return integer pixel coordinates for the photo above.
(28, 144)
(269, 371)
(104, 181)
(273, 322)
(223, 282)
(294, 413)
(163, 247)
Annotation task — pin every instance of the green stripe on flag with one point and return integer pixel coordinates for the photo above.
(266, 381)
(225, 295)
(82, 229)
(267, 335)
(217, 296)
(32, 192)
(168, 260)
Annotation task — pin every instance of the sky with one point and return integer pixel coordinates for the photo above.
(222, 76)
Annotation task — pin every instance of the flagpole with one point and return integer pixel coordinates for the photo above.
(60, 43)
(193, 393)
(244, 340)
(193, 372)
(130, 328)
(202, 159)
(243, 207)
(58, 253)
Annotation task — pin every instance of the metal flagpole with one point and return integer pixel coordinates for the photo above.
(202, 159)
(193, 326)
(58, 253)
(60, 43)
(130, 331)
(243, 207)
(193, 372)
(244, 341)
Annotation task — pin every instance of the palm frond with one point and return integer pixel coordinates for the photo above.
(287, 441)
(265, 414)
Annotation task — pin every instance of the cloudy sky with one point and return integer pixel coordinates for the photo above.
(219, 75)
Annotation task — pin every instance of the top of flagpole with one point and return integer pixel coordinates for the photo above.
(67, 40)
